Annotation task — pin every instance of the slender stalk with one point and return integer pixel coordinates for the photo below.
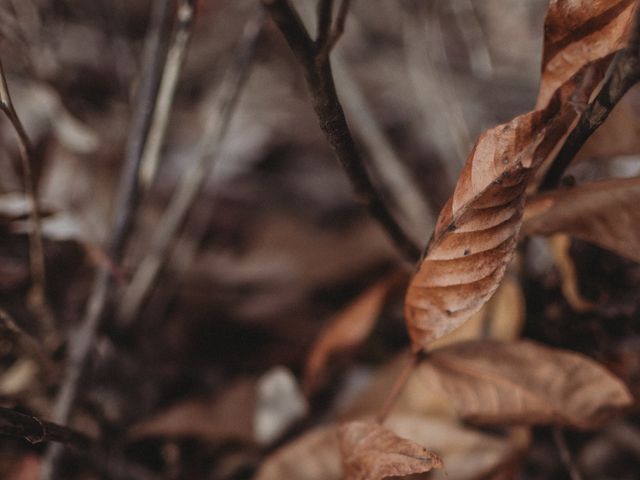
(314, 58)
(175, 59)
(29, 344)
(82, 342)
(196, 175)
(37, 297)
(565, 454)
(398, 386)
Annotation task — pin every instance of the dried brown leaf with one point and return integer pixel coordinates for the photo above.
(229, 416)
(561, 250)
(501, 318)
(346, 330)
(605, 213)
(372, 452)
(577, 32)
(477, 230)
(468, 454)
(523, 382)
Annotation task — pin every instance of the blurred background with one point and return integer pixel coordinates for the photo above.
(274, 244)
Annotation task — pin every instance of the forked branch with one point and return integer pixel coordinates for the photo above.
(38, 298)
(314, 58)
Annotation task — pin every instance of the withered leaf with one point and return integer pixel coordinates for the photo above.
(477, 229)
(347, 329)
(468, 454)
(605, 213)
(560, 246)
(372, 452)
(228, 416)
(522, 382)
(578, 32)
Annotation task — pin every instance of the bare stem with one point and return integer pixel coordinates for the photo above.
(30, 345)
(82, 342)
(37, 297)
(565, 453)
(398, 386)
(195, 177)
(314, 58)
(175, 59)
(623, 74)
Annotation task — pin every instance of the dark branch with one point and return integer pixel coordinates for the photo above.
(38, 294)
(314, 59)
(325, 15)
(34, 430)
(623, 74)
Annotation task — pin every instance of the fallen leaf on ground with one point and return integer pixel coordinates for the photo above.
(372, 452)
(476, 232)
(605, 213)
(466, 453)
(227, 416)
(490, 382)
(250, 410)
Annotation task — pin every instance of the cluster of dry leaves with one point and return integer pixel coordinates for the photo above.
(465, 401)
(487, 381)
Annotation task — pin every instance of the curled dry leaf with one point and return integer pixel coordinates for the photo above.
(605, 213)
(477, 229)
(522, 382)
(372, 452)
(347, 329)
(468, 454)
(576, 32)
(561, 250)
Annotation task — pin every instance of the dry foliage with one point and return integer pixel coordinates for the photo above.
(605, 213)
(466, 454)
(372, 452)
(251, 257)
(522, 382)
(477, 230)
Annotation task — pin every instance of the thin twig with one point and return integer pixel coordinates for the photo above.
(82, 342)
(474, 38)
(385, 160)
(325, 15)
(565, 453)
(38, 296)
(175, 59)
(623, 74)
(34, 430)
(435, 93)
(195, 177)
(28, 343)
(399, 384)
(338, 28)
(314, 59)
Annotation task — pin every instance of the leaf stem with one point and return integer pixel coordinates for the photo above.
(398, 386)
